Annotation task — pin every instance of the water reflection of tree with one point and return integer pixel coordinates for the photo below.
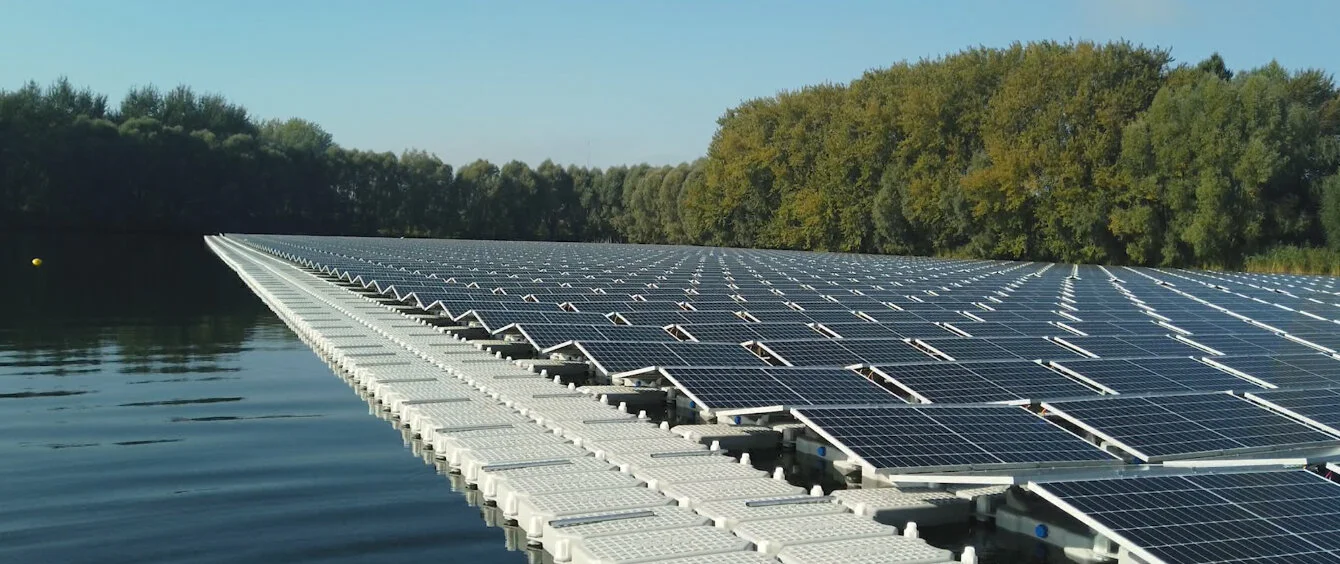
(139, 300)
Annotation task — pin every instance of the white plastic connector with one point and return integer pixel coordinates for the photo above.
(911, 531)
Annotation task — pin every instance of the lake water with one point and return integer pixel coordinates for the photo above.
(152, 410)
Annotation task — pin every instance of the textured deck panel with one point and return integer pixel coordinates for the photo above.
(874, 550)
(637, 445)
(722, 558)
(605, 431)
(689, 494)
(670, 458)
(729, 513)
(512, 493)
(471, 461)
(895, 506)
(561, 534)
(491, 480)
(424, 418)
(732, 437)
(394, 396)
(771, 535)
(663, 476)
(445, 423)
(444, 443)
(539, 509)
(653, 546)
(462, 446)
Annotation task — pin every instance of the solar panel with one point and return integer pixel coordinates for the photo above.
(1329, 342)
(862, 330)
(844, 352)
(1027, 348)
(663, 318)
(1011, 329)
(1305, 325)
(1120, 316)
(619, 358)
(1247, 518)
(1228, 325)
(752, 389)
(882, 351)
(496, 320)
(545, 335)
(1157, 428)
(898, 330)
(1114, 327)
(929, 438)
(940, 315)
(1305, 370)
(1318, 407)
(1007, 316)
(734, 388)
(1131, 346)
(784, 316)
(988, 381)
(741, 332)
(1147, 375)
(706, 354)
(894, 316)
(1259, 343)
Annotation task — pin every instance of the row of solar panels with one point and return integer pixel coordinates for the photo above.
(730, 390)
(616, 358)
(906, 439)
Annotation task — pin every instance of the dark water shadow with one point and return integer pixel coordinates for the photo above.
(50, 394)
(180, 402)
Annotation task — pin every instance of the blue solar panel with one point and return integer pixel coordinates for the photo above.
(987, 381)
(1026, 348)
(615, 358)
(1255, 343)
(1156, 428)
(842, 352)
(1011, 329)
(1320, 407)
(1131, 346)
(926, 438)
(1148, 375)
(1247, 518)
(1307, 370)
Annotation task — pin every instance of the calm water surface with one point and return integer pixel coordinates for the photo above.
(152, 410)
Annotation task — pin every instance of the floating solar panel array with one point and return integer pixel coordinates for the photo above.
(1158, 364)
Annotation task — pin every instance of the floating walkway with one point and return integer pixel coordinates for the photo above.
(579, 471)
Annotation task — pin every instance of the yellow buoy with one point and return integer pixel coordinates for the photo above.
(37, 262)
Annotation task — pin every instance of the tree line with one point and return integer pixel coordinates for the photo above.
(1073, 151)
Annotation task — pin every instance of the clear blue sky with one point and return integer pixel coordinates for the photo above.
(634, 80)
